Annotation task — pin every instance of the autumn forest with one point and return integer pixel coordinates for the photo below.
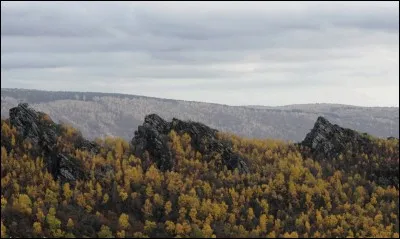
(287, 193)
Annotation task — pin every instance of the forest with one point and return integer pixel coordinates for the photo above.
(287, 193)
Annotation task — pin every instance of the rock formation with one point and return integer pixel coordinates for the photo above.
(152, 137)
(328, 140)
(42, 134)
(325, 141)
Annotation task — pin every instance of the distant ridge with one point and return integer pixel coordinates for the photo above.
(101, 114)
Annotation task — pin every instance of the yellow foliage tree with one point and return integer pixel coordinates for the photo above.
(70, 224)
(105, 232)
(23, 204)
(123, 221)
(121, 234)
(3, 230)
(67, 191)
(37, 228)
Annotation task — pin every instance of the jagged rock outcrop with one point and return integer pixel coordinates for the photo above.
(42, 133)
(326, 141)
(152, 137)
(329, 140)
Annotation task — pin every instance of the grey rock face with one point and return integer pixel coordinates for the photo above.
(329, 140)
(152, 137)
(43, 136)
(24, 120)
(326, 141)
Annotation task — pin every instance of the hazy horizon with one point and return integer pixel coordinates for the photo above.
(147, 96)
(100, 114)
(239, 53)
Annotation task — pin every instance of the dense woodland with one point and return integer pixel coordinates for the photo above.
(287, 193)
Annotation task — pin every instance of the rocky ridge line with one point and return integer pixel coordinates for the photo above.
(152, 137)
(329, 140)
(43, 135)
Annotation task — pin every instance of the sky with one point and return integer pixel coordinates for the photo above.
(234, 53)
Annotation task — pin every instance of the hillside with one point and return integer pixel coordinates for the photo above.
(185, 179)
(101, 114)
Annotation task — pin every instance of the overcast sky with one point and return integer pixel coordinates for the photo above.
(235, 53)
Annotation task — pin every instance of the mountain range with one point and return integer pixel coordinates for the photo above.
(101, 114)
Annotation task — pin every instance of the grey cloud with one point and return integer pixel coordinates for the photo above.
(217, 45)
(38, 19)
(65, 19)
(336, 38)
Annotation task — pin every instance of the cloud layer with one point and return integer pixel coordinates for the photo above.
(267, 53)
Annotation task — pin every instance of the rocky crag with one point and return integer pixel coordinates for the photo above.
(152, 137)
(42, 133)
(325, 142)
(328, 142)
